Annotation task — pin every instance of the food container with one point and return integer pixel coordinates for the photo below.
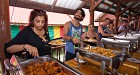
(26, 65)
(113, 62)
(118, 43)
(135, 35)
(138, 36)
(115, 41)
(129, 38)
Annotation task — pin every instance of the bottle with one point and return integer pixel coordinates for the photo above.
(77, 44)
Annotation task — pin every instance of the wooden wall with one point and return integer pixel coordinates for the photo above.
(4, 27)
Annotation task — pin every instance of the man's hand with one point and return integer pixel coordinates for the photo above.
(75, 40)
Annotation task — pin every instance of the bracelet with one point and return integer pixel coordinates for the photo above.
(24, 47)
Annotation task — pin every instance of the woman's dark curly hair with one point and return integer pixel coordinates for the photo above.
(38, 12)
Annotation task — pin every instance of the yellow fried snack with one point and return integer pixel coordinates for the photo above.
(103, 51)
(56, 42)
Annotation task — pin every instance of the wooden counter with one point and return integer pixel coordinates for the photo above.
(130, 68)
(86, 68)
(93, 67)
(136, 55)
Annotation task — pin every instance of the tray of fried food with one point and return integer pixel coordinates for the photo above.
(101, 51)
(45, 66)
(56, 42)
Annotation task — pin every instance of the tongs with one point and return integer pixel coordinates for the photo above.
(11, 68)
(77, 58)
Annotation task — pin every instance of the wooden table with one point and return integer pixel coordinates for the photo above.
(93, 67)
(87, 68)
(136, 55)
(130, 68)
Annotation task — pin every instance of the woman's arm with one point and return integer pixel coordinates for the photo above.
(17, 48)
(19, 43)
(100, 30)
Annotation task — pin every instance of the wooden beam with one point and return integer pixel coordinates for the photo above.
(4, 29)
(35, 5)
(107, 4)
(87, 6)
(110, 6)
(100, 16)
(127, 0)
(113, 1)
(82, 5)
(127, 8)
(53, 5)
(70, 17)
(138, 13)
(92, 12)
(105, 11)
(87, 1)
(102, 10)
(117, 16)
(95, 5)
(135, 8)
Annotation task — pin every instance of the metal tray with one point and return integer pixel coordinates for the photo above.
(130, 38)
(116, 41)
(128, 44)
(134, 35)
(98, 57)
(24, 63)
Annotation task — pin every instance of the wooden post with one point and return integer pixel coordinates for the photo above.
(4, 28)
(136, 23)
(92, 12)
(92, 18)
(129, 19)
(117, 16)
(116, 23)
(92, 8)
(139, 23)
(129, 16)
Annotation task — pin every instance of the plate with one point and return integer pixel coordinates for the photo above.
(56, 42)
(87, 48)
(90, 40)
(134, 60)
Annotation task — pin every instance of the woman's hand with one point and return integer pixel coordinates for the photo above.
(32, 50)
